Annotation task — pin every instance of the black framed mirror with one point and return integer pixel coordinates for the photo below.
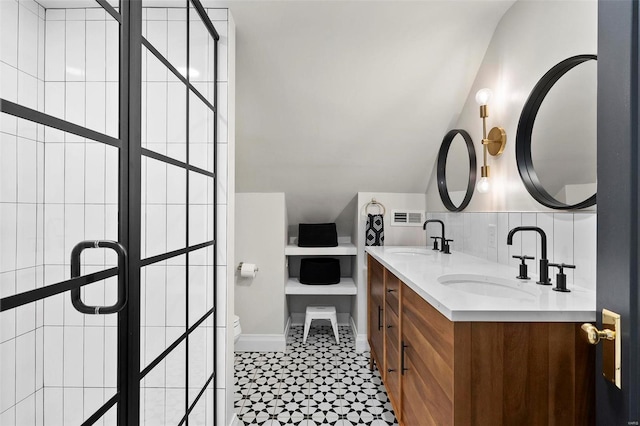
(557, 159)
(456, 170)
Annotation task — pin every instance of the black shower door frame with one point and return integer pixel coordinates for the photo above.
(131, 153)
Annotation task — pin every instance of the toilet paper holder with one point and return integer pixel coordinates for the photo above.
(240, 267)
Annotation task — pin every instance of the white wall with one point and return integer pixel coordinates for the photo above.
(260, 238)
(532, 37)
(393, 236)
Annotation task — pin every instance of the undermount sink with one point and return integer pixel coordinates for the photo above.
(484, 285)
(407, 251)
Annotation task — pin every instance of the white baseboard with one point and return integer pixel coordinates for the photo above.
(261, 343)
(287, 327)
(362, 344)
(297, 318)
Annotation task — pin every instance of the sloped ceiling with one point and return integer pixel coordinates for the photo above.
(339, 97)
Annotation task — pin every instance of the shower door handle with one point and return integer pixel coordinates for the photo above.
(123, 267)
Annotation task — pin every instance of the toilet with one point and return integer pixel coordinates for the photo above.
(237, 330)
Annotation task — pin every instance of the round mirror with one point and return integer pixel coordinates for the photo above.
(456, 170)
(556, 139)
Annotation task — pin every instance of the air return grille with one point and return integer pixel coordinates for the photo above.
(407, 218)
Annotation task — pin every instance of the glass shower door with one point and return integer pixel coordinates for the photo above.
(59, 186)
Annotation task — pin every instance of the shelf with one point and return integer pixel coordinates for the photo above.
(346, 286)
(343, 249)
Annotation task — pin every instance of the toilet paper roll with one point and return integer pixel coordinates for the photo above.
(248, 270)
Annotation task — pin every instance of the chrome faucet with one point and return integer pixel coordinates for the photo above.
(445, 242)
(544, 262)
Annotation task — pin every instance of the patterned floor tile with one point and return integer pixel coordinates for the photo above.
(320, 382)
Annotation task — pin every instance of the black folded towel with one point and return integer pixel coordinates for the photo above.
(375, 230)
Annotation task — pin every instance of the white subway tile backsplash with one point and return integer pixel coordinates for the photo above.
(74, 96)
(26, 170)
(93, 400)
(155, 296)
(74, 170)
(176, 216)
(25, 365)
(96, 50)
(96, 14)
(176, 43)
(585, 250)
(8, 237)
(8, 370)
(95, 113)
(9, 32)
(73, 360)
(73, 405)
(176, 294)
(530, 240)
(156, 235)
(39, 414)
(8, 84)
(112, 110)
(571, 237)
(8, 418)
(95, 162)
(198, 284)
(26, 411)
(75, 49)
(110, 356)
(113, 61)
(55, 69)
(26, 236)
(39, 355)
(53, 404)
(8, 167)
(27, 40)
(93, 355)
(176, 183)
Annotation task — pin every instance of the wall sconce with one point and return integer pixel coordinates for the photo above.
(494, 143)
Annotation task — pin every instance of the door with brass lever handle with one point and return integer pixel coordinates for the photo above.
(611, 346)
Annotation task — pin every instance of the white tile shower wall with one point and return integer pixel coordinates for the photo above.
(21, 210)
(571, 238)
(80, 70)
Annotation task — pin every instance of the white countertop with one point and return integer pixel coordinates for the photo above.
(512, 301)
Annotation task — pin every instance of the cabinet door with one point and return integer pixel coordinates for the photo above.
(392, 357)
(427, 356)
(375, 303)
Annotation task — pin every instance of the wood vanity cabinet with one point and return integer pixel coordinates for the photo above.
(480, 373)
(375, 312)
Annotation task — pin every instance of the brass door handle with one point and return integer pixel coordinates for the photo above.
(594, 335)
(611, 347)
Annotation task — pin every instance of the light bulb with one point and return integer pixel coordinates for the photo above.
(484, 185)
(483, 96)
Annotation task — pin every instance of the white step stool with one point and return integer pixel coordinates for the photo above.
(320, 312)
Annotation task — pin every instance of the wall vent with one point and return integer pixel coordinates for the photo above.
(407, 218)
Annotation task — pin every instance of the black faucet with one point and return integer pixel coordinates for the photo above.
(544, 262)
(442, 238)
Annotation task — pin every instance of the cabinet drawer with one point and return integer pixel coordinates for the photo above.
(392, 292)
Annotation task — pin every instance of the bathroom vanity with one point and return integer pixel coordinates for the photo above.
(459, 340)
